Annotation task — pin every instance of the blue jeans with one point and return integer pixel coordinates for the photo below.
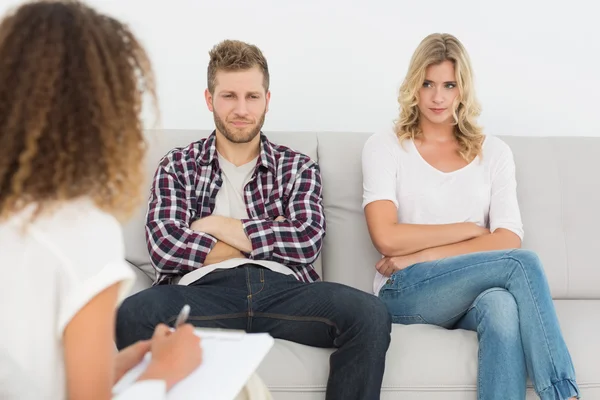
(255, 299)
(504, 297)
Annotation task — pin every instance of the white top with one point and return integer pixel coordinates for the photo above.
(483, 192)
(51, 270)
(230, 203)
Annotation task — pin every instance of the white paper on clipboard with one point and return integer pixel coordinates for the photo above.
(229, 358)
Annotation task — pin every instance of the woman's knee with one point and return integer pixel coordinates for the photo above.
(498, 314)
(529, 260)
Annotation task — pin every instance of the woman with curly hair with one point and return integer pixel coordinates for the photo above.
(441, 207)
(71, 151)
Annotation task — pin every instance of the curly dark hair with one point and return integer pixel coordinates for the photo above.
(72, 83)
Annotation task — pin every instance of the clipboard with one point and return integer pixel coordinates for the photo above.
(229, 358)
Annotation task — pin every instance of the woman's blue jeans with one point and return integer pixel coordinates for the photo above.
(504, 297)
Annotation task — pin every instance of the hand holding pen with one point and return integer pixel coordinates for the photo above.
(175, 352)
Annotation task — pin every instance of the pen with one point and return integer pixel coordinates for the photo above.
(183, 316)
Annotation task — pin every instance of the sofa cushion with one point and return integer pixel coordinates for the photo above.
(428, 362)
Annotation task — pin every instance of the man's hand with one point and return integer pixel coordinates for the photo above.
(221, 252)
(232, 240)
(209, 224)
(129, 357)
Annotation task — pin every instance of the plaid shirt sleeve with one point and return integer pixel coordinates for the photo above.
(174, 248)
(298, 239)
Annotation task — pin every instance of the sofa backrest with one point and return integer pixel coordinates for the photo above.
(558, 192)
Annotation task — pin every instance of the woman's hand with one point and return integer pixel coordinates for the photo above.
(175, 354)
(129, 357)
(388, 265)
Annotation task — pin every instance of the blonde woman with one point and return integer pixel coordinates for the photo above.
(71, 145)
(441, 207)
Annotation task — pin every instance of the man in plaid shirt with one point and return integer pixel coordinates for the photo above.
(234, 226)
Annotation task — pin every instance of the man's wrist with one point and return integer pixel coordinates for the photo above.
(206, 225)
(211, 224)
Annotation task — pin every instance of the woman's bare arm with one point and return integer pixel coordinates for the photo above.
(393, 239)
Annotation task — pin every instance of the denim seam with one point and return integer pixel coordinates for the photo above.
(479, 374)
(553, 384)
(249, 297)
(262, 280)
(299, 319)
(520, 264)
(488, 291)
(454, 316)
(212, 317)
(451, 272)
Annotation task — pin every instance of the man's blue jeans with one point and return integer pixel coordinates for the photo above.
(255, 299)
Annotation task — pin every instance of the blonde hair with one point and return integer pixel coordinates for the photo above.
(71, 87)
(435, 49)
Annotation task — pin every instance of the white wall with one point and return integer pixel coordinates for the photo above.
(336, 64)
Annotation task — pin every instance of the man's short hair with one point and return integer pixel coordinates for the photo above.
(234, 55)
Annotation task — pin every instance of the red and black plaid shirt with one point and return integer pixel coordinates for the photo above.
(284, 183)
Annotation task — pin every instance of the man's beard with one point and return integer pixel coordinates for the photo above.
(237, 137)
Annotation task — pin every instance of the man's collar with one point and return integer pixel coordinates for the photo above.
(266, 157)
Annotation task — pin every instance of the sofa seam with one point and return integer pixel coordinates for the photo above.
(419, 388)
(562, 218)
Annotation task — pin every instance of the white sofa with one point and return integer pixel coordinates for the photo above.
(559, 194)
